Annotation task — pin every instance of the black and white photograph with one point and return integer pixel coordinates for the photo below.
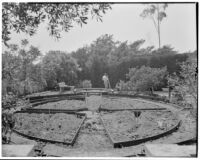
(99, 79)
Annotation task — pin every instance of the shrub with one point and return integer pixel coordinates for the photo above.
(86, 84)
(146, 78)
(9, 101)
(124, 86)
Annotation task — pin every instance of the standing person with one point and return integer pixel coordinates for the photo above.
(105, 80)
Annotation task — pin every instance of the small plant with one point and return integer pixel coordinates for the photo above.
(123, 86)
(9, 101)
(86, 84)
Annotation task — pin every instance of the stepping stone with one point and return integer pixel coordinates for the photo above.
(53, 150)
(169, 150)
(17, 150)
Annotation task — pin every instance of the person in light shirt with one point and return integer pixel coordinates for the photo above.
(105, 80)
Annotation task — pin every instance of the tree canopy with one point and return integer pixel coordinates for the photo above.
(26, 17)
(155, 12)
(18, 68)
(59, 67)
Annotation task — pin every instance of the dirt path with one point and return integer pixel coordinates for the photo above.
(92, 135)
(93, 102)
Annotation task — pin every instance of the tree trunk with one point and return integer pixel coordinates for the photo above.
(170, 94)
(151, 90)
(25, 84)
(159, 41)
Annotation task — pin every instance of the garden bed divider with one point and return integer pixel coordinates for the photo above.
(90, 89)
(130, 109)
(55, 99)
(78, 130)
(107, 132)
(57, 110)
(54, 95)
(80, 97)
(50, 111)
(135, 96)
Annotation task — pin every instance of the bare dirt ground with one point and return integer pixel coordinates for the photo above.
(126, 103)
(64, 104)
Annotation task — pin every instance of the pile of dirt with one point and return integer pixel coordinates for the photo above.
(59, 127)
(64, 104)
(126, 103)
(124, 126)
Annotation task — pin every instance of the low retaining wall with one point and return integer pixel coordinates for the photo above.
(53, 111)
(130, 109)
(55, 95)
(136, 96)
(75, 97)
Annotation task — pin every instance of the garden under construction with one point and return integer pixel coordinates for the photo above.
(100, 123)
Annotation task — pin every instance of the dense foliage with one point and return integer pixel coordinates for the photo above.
(185, 84)
(24, 70)
(19, 73)
(58, 67)
(146, 78)
(115, 58)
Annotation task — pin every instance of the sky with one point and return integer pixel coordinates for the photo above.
(125, 24)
